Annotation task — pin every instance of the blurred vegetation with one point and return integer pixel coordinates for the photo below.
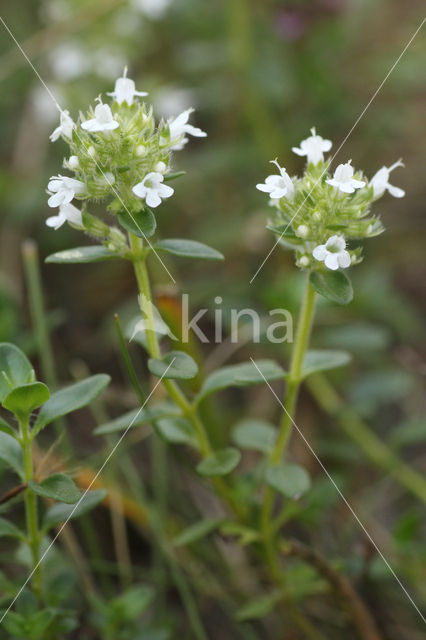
(260, 74)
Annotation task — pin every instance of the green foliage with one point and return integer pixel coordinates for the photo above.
(188, 249)
(256, 435)
(291, 480)
(70, 399)
(258, 607)
(11, 453)
(176, 365)
(81, 255)
(57, 487)
(59, 513)
(141, 223)
(333, 285)
(15, 369)
(219, 463)
(241, 375)
(176, 430)
(23, 400)
(138, 417)
(317, 360)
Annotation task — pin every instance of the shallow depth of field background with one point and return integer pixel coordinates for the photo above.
(260, 74)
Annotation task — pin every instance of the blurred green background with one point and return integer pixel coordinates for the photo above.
(260, 74)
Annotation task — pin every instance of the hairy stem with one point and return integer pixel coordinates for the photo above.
(31, 514)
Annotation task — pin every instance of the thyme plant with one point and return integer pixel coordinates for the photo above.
(120, 164)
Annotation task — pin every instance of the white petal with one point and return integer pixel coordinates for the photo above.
(57, 199)
(164, 191)
(195, 131)
(346, 187)
(320, 252)
(153, 199)
(344, 259)
(396, 192)
(264, 187)
(278, 193)
(139, 190)
(331, 261)
(326, 145)
(299, 152)
(358, 184)
(55, 221)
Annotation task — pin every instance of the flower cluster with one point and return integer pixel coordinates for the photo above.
(120, 154)
(318, 214)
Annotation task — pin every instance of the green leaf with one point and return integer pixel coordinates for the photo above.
(241, 375)
(197, 531)
(7, 428)
(9, 530)
(11, 454)
(333, 285)
(57, 487)
(323, 360)
(255, 435)
(176, 364)
(219, 463)
(188, 249)
(131, 604)
(62, 512)
(70, 399)
(140, 223)
(176, 430)
(15, 369)
(81, 255)
(23, 400)
(138, 417)
(289, 479)
(258, 607)
(172, 176)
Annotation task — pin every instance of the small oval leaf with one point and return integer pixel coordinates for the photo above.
(8, 529)
(254, 434)
(219, 463)
(138, 417)
(176, 364)
(188, 249)
(57, 487)
(323, 360)
(197, 531)
(11, 454)
(23, 400)
(177, 431)
(141, 223)
(70, 399)
(333, 285)
(81, 255)
(15, 369)
(290, 479)
(241, 375)
(61, 512)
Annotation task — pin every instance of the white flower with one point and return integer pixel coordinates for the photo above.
(278, 186)
(103, 120)
(124, 90)
(152, 189)
(73, 162)
(67, 213)
(179, 127)
(62, 190)
(333, 253)
(380, 182)
(343, 179)
(65, 127)
(313, 148)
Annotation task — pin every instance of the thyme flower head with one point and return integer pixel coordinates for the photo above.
(121, 157)
(322, 214)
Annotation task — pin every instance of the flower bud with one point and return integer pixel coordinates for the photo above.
(302, 231)
(73, 162)
(140, 150)
(160, 167)
(91, 151)
(304, 261)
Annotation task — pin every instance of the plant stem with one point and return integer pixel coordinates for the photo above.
(188, 410)
(294, 379)
(293, 384)
(33, 534)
